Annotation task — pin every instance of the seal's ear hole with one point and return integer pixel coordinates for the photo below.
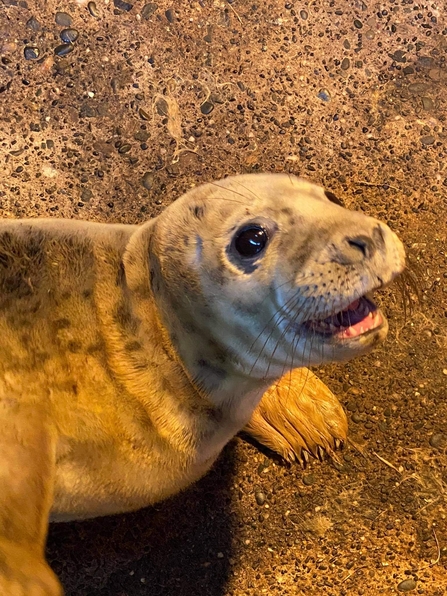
(250, 241)
(333, 198)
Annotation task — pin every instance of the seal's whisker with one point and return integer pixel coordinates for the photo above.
(295, 342)
(311, 336)
(249, 190)
(285, 312)
(275, 314)
(292, 317)
(292, 320)
(408, 284)
(278, 287)
(284, 332)
(277, 344)
(224, 199)
(230, 190)
(270, 320)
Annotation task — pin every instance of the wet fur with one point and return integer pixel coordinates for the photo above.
(123, 371)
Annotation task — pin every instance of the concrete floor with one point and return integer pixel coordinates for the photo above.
(153, 98)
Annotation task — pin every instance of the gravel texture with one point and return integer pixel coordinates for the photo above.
(111, 109)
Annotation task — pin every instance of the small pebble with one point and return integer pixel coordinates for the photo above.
(33, 24)
(324, 95)
(303, 15)
(260, 497)
(170, 15)
(63, 19)
(437, 440)
(148, 10)
(141, 135)
(69, 35)
(121, 5)
(93, 10)
(427, 103)
(209, 34)
(346, 63)
(399, 56)
(428, 140)
(86, 194)
(125, 148)
(309, 479)
(426, 62)
(358, 24)
(407, 585)
(207, 107)
(31, 53)
(417, 88)
(148, 180)
(63, 49)
(143, 114)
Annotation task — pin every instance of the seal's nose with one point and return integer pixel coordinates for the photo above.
(359, 247)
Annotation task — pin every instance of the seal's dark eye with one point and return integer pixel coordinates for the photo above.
(250, 241)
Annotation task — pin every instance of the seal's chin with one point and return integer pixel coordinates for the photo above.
(358, 319)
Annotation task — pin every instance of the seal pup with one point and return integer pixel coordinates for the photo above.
(131, 355)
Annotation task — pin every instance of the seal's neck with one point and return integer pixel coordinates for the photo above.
(215, 372)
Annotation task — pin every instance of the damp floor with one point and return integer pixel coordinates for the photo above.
(109, 110)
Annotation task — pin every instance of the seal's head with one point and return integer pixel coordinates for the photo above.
(257, 274)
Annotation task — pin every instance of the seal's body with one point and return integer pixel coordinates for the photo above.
(131, 355)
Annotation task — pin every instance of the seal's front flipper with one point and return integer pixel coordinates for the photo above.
(27, 448)
(297, 416)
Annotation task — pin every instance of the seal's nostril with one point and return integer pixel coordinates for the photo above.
(355, 249)
(361, 243)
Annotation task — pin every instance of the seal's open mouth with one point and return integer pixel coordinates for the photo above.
(357, 319)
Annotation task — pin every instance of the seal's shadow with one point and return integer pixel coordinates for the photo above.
(178, 548)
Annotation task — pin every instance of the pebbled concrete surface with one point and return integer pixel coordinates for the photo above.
(151, 98)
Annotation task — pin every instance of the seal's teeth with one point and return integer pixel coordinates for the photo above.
(305, 456)
(349, 332)
(320, 452)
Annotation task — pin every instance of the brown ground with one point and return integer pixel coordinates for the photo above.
(350, 94)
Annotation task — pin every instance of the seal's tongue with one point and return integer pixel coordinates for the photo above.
(356, 321)
(358, 318)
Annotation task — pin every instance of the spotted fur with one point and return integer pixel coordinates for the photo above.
(131, 355)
